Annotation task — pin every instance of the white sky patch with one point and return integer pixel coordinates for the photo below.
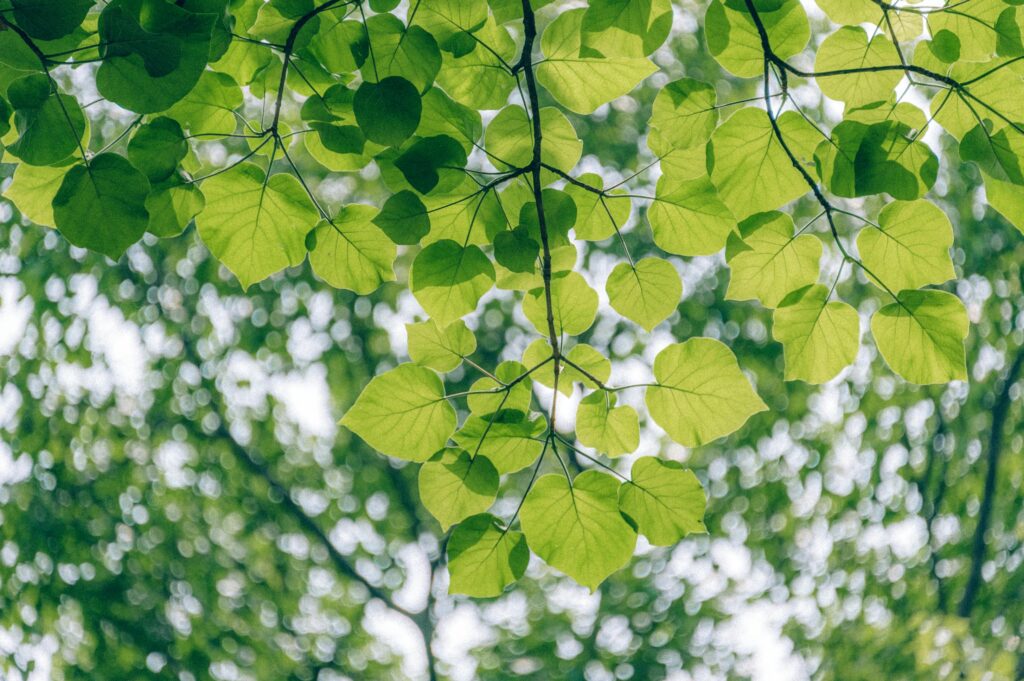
(459, 632)
(306, 398)
(15, 309)
(414, 592)
(400, 635)
(119, 342)
(756, 632)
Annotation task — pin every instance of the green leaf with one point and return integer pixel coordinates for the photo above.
(208, 108)
(849, 48)
(336, 144)
(879, 112)
(50, 125)
(861, 160)
(433, 163)
(583, 83)
(627, 28)
(819, 338)
(509, 139)
(974, 28)
(153, 53)
(340, 45)
(910, 247)
(442, 115)
(664, 499)
(559, 214)
(1002, 196)
(172, 205)
(646, 293)
(448, 280)
(597, 220)
(578, 529)
(946, 46)
(48, 20)
(388, 112)
(683, 116)
(772, 261)
(5, 119)
(750, 168)
(734, 41)
(403, 413)
(440, 347)
(254, 224)
(516, 250)
(274, 20)
(700, 394)
(851, 12)
(32, 190)
(484, 557)
(590, 360)
(479, 79)
(510, 439)
(684, 164)
(573, 305)
(157, 148)
(102, 206)
(998, 152)
(449, 17)
(921, 336)
(410, 53)
(457, 485)
(351, 252)
(688, 217)
(404, 218)
(603, 426)
(516, 398)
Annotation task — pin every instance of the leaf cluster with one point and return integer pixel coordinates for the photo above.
(233, 100)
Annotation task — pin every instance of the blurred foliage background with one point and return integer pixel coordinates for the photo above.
(176, 501)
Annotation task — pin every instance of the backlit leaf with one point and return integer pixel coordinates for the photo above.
(819, 338)
(102, 206)
(700, 393)
(256, 225)
(646, 293)
(457, 485)
(403, 413)
(771, 261)
(484, 557)
(591, 540)
(666, 500)
(449, 280)
(921, 336)
(351, 252)
(910, 246)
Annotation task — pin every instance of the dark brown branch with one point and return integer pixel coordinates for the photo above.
(289, 47)
(526, 63)
(1000, 411)
(935, 503)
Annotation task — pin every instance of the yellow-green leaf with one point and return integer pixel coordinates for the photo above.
(700, 393)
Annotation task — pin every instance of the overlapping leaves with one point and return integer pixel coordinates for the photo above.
(404, 93)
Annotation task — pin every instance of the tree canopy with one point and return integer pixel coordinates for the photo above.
(577, 223)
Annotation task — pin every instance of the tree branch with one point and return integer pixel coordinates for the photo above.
(307, 523)
(1000, 411)
(771, 58)
(526, 63)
